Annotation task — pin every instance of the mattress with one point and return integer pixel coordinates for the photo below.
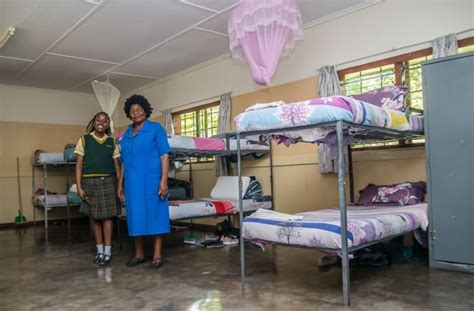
(211, 144)
(246, 144)
(50, 200)
(49, 157)
(209, 207)
(321, 110)
(321, 229)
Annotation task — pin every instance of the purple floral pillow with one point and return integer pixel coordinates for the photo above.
(392, 97)
(401, 194)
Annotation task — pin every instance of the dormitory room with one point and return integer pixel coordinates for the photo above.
(236, 155)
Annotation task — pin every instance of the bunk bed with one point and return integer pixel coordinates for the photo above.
(338, 121)
(44, 198)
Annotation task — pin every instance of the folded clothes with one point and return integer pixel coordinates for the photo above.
(40, 191)
(269, 214)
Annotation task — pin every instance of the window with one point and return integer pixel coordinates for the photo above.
(197, 122)
(399, 70)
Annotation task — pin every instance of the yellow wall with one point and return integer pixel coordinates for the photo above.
(19, 139)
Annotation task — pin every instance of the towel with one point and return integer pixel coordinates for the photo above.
(265, 105)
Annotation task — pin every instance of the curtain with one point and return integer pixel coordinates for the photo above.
(223, 125)
(168, 121)
(107, 96)
(328, 86)
(445, 46)
(168, 125)
(261, 31)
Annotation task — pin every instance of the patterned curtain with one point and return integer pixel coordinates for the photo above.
(328, 86)
(223, 125)
(445, 46)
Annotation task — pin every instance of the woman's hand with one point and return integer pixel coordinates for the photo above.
(163, 191)
(120, 194)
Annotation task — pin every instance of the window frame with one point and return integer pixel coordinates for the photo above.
(176, 117)
(397, 61)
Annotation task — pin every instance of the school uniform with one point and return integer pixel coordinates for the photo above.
(99, 179)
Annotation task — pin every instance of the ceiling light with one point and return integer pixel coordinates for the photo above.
(94, 2)
(6, 35)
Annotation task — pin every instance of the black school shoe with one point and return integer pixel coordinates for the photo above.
(135, 261)
(106, 260)
(98, 258)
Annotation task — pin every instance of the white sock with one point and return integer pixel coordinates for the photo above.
(108, 250)
(100, 248)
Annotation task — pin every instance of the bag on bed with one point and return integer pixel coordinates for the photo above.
(69, 155)
(254, 190)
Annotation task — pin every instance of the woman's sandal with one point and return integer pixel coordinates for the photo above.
(135, 261)
(156, 263)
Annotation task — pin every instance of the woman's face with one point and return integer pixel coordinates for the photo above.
(101, 123)
(137, 113)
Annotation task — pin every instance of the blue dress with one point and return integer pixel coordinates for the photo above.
(147, 213)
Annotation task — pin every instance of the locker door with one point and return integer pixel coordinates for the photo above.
(449, 105)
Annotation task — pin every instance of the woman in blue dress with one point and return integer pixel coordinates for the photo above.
(144, 152)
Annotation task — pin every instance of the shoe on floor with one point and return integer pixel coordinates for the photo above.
(191, 239)
(327, 261)
(135, 261)
(156, 263)
(98, 258)
(229, 241)
(106, 260)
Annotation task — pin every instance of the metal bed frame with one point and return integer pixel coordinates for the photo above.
(190, 153)
(363, 132)
(45, 166)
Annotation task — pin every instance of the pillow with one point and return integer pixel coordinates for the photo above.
(392, 97)
(227, 187)
(396, 194)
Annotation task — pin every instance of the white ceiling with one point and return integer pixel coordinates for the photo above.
(66, 44)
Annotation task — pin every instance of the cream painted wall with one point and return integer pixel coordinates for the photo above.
(25, 104)
(21, 139)
(386, 29)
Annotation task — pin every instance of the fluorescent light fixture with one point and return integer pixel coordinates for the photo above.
(6, 35)
(94, 2)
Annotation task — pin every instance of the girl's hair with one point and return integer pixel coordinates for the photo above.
(139, 100)
(90, 127)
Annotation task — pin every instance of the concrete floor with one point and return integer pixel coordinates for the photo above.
(59, 275)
